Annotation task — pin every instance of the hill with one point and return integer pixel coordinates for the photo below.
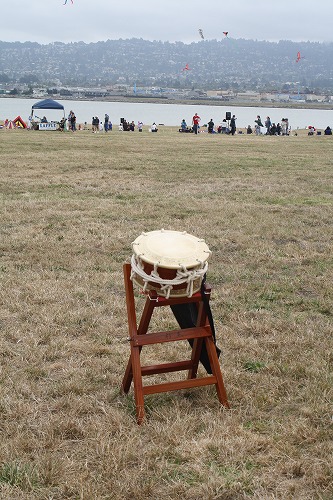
(234, 64)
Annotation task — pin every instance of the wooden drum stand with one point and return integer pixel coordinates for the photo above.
(139, 337)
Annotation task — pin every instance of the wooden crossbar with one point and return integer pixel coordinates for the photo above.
(177, 385)
(171, 336)
(176, 366)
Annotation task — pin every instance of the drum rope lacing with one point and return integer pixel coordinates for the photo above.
(183, 276)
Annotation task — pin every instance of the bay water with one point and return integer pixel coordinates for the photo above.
(165, 113)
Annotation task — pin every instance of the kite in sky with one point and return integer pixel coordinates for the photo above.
(186, 68)
(72, 1)
(225, 33)
(201, 34)
(298, 58)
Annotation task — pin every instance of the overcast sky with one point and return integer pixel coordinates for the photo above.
(46, 21)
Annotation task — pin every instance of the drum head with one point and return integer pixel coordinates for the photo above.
(171, 249)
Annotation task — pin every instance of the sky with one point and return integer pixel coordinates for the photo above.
(47, 21)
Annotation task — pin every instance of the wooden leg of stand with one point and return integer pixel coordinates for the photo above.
(128, 377)
(131, 316)
(133, 369)
(196, 351)
(197, 343)
(143, 327)
(215, 365)
(137, 381)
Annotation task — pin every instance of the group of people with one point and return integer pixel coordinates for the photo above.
(126, 126)
(225, 127)
(100, 125)
(228, 126)
(271, 128)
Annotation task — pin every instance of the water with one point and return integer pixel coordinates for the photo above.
(167, 114)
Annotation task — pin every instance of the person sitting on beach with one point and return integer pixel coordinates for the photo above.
(272, 130)
(154, 128)
(328, 131)
(62, 124)
(183, 125)
(249, 129)
(211, 126)
(224, 126)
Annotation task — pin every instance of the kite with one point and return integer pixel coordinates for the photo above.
(225, 33)
(186, 68)
(298, 58)
(201, 34)
(72, 1)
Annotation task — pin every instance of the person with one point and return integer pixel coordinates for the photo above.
(278, 129)
(62, 124)
(272, 130)
(258, 125)
(106, 122)
(154, 128)
(140, 125)
(328, 130)
(233, 125)
(196, 123)
(249, 129)
(96, 124)
(268, 125)
(132, 126)
(210, 126)
(73, 121)
(224, 127)
(183, 125)
(44, 119)
(285, 126)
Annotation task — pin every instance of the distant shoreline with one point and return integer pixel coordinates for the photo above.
(194, 102)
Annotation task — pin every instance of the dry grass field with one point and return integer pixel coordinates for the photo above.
(71, 204)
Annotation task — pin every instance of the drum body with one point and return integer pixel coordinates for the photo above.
(172, 263)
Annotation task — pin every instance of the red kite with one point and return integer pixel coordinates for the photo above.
(186, 68)
(225, 33)
(298, 58)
